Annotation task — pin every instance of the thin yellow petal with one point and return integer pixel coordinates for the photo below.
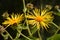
(30, 16)
(38, 25)
(15, 18)
(36, 12)
(31, 22)
(43, 12)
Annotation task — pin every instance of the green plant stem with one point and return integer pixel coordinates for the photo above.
(39, 35)
(55, 25)
(7, 26)
(28, 29)
(24, 4)
(9, 35)
(3, 36)
(18, 35)
(26, 18)
(25, 36)
(57, 31)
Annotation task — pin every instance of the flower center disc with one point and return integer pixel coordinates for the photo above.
(39, 18)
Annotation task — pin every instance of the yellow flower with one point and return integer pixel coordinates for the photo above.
(41, 18)
(14, 19)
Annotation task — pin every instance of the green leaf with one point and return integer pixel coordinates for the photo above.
(54, 37)
(34, 29)
(57, 13)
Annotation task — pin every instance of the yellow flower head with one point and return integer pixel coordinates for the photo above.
(40, 18)
(14, 19)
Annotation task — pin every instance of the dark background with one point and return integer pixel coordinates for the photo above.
(17, 6)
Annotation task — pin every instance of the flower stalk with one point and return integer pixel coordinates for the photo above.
(7, 35)
(55, 25)
(40, 38)
(24, 10)
(25, 36)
